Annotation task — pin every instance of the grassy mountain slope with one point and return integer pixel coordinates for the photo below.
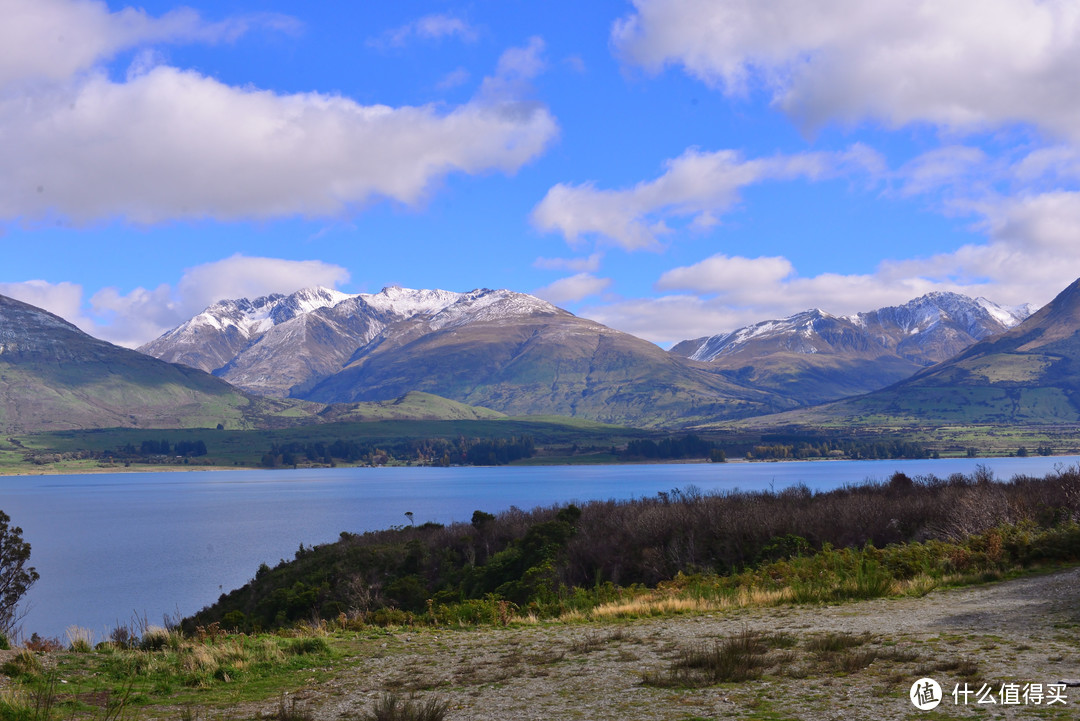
(545, 363)
(55, 377)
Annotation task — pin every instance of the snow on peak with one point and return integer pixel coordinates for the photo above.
(252, 318)
(485, 304)
(409, 302)
(1008, 317)
(804, 325)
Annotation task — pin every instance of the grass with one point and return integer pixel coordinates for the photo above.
(392, 707)
(741, 657)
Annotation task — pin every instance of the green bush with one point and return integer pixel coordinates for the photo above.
(25, 664)
(312, 645)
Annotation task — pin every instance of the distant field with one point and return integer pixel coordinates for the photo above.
(555, 437)
(557, 440)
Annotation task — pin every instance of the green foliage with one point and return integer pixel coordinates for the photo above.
(852, 543)
(312, 646)
(799, 448)
(16, 577)
(23, 664)
(689, 446)
(431, 451)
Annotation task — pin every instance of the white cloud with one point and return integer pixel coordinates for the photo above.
(177, 145)
(435, 26)
(573, 288)
(53, 40)
(672, 318)
(697, 184)
(1030, 255)
(724, 275)
(140, 315)
(167, 144)
(62, 299)
(947, 167)
(964, 64)
(515, 69)
(589, 264)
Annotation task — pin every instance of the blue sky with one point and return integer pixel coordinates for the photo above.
(672, 168)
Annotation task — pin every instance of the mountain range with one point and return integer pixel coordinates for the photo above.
(814, 357)
(1028, 374)
(54, 376)
(320, 355)
(523, 356)
(497, 349)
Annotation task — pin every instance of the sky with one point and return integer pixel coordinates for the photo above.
(671, 168)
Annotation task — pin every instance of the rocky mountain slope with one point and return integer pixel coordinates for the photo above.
(493, 348)
(813, 357)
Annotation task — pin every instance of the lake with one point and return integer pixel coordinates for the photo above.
(114, 546)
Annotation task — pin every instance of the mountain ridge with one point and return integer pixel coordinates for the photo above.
(815, 357)
(1030, 374)
(498, 349)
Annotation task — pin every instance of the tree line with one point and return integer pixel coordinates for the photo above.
(427, 451)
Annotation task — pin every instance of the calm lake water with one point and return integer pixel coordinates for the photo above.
(110, 547)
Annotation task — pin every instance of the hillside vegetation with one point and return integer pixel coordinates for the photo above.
(550, 561)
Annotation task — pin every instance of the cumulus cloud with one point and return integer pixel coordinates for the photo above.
(167, 144)
(724, 275)
(947, 167)
(1030, 255)
(140, 315)
(62, 299)
(699, 185)
(435, 26)
(573, 288)
(56, 39)
(712, 308)
(964, 65)
(177, 145)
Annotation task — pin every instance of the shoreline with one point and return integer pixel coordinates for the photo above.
(181, 468)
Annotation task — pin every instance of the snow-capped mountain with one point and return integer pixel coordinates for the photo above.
(815, 356)
(933, 327)
(1024, 376)
(279, 345)
(499, 349)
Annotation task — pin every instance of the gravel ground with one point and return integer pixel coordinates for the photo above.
(1016, 632)
(1020, 632)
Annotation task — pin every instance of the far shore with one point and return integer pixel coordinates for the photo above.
(72, 468)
